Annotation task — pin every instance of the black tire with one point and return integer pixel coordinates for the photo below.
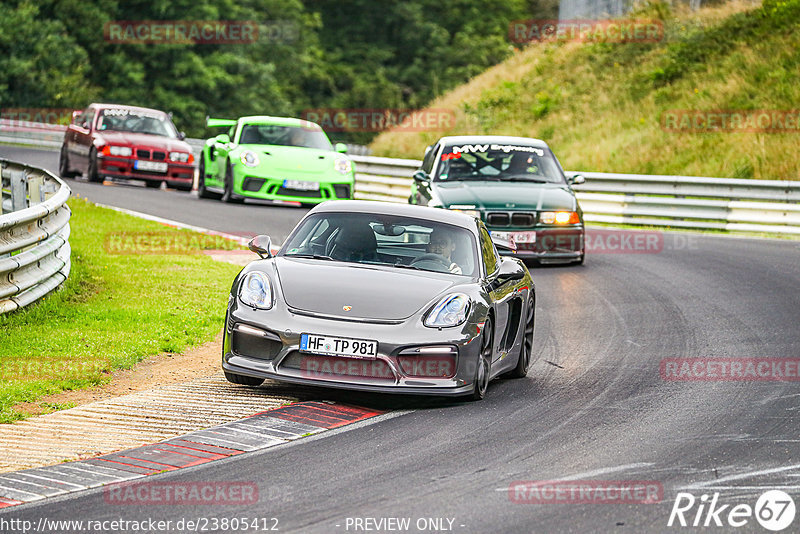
(63, 164)
(153, 184)
(484, 367)
(243, 380)
(227, 196)
(202, 192)
(91, 173)
(526, 350)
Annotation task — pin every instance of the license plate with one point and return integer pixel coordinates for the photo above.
(155, 166)
(517, 237)
(301, 185)
(364, 349)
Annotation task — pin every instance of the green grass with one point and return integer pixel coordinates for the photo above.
(600, 105)
(114, 310)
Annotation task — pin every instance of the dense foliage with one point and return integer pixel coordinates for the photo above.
(309, 54)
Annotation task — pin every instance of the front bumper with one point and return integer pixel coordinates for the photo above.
(116, 167)
(552, 245)
(248, 185)
(398, 368)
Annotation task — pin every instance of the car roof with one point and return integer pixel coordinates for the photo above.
(497, 139)
(400, 210)
(278, 121)
(121, 106)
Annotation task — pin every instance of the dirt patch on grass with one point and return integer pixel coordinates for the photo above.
(160, 370)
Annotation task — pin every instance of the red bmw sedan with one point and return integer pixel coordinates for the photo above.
(114, 141)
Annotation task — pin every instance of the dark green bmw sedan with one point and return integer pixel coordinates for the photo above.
(515, 185)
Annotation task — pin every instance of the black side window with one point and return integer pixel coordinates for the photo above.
(88, 117)
(488, 252)
(430, 158)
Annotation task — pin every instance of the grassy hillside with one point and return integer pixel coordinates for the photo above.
(600, 105)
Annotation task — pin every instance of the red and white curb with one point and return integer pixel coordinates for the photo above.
(259, 431)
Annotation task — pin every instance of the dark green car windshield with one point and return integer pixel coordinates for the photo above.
(498, 162)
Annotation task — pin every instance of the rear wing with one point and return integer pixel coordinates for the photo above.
(215, 123)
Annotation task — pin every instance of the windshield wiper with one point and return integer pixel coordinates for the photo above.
(312, 256)
(531, 180)
(404, 266)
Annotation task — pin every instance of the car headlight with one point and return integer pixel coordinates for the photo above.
(249, 158)
(559, 217)
(451, 310)
(124, 151)
(181, 157)
(343, 165)
(256, 291)
(473, 213)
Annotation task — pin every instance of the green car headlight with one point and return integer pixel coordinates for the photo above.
(343, 165)
(249, 158)
(451, 310)
(256, 291)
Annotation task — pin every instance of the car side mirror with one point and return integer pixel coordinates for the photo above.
(223, 138)
(510, 270)
(261, 245)
(420, 176)
(85, 125)
(181, 135)
(577, 179)
(341, 148)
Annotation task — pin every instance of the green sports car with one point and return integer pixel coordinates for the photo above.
(515, 185)
(274, 158)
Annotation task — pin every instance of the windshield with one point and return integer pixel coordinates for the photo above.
(137, 121)
(498, 162)
(270, 134)
(375, 239)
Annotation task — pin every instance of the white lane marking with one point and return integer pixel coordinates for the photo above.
(740, 476)
(756, 488)
(595, 472)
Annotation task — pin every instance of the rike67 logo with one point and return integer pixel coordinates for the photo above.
(774, 510)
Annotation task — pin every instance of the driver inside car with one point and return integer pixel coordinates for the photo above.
(442, 243)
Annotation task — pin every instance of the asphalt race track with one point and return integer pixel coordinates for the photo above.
(594, 406)
(240, 219)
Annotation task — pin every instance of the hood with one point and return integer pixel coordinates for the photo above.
(167, 144)
(323, 287)
(294, 161)
(492, 195)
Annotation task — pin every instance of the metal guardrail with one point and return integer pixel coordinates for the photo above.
(52, 135)
(667, 201)
(34, 234)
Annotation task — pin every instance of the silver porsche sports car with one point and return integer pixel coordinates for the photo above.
(381, 297)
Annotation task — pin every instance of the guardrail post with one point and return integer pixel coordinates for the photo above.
(35, 193)
(19, 199)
